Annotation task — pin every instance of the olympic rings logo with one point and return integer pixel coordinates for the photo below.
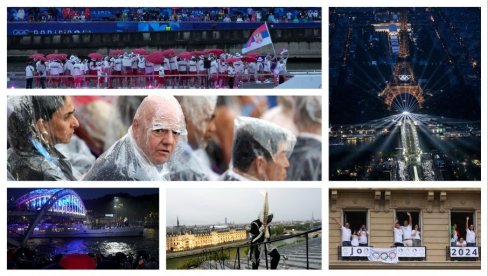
(404, 77)
(20, 32)
(384, 256)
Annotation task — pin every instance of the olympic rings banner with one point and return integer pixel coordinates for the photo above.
(384, 255)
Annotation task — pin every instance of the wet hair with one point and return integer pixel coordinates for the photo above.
(45, 106)
(245, 150)
(20, 126)
(21, 123)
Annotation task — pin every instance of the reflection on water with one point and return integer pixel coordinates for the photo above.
(106, 246)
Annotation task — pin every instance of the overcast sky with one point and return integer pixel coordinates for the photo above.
(212, 206)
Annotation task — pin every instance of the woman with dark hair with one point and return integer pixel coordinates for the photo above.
(34, 126)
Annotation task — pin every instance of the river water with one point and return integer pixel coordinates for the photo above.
(106, 246)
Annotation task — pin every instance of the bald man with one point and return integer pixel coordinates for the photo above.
(142, 153)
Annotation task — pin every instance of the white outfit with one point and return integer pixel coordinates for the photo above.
(346, 234)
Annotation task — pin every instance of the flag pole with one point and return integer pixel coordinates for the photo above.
(272, 44)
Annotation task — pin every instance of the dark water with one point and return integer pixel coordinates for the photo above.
(106, 246)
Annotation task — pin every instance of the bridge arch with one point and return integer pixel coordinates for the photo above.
(63, 201)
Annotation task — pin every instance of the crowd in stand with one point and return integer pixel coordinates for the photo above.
(164, 138)
(261, 14)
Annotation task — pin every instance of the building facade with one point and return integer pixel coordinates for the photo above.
(434, 210)
(188, 240)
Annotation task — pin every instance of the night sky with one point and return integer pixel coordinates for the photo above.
(88, 193)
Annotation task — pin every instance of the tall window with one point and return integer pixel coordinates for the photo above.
(356, 219)
(459, 218)
(401, 216)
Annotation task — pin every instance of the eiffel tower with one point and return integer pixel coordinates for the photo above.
(403, 79)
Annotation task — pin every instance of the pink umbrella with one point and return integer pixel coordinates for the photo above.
(56, 56)
(169, 52)
(214, 51)
(249, 59)
(38, 56)
(156, 57)
(185, 55)
(232, 60)
(114, 53)
(78, 261)
(62, 56)
(198, 53)
(140, 51)
(95, 56)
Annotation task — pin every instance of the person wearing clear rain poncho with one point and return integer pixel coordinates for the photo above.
(142, 154)
(306, 158)
(260, 151)
(35, 124)
(190, 161)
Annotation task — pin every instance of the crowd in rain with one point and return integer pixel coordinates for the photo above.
(166, 138)
(207, 14)
(138, 68)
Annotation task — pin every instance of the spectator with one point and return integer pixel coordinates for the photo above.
(470, 234)
(397, 234)
(416, 235)
(260, 151)
(345, 232)
(363, 236)
(142, 153)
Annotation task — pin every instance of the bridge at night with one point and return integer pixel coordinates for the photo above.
(35, 205)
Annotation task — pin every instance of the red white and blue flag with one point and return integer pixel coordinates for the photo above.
(259, 38)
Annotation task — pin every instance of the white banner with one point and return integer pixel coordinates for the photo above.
(354, 251)
(411, 252)
(464, 252)
(384, 255)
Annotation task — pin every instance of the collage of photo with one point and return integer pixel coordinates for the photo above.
(125, 123)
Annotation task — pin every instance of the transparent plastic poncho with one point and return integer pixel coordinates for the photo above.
(187, 162)
(306, 159)
(137, 155)
(31, 154)
(269, 136)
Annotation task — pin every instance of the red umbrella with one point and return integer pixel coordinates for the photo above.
(249, 59)
(95, 56)
(169, 52)
(232, 60)
(114, 53)
(198, 53)
(78, 261)
(214, 51)
(186, 55)
(38, 56)
(156, 58)
(56, 56)
(62, 56)
(140, 51)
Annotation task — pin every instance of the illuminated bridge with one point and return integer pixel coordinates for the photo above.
(62, 201)
(38, 203)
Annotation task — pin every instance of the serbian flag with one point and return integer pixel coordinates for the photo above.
(259, 38)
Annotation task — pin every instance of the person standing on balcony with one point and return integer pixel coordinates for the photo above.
(470, 234)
